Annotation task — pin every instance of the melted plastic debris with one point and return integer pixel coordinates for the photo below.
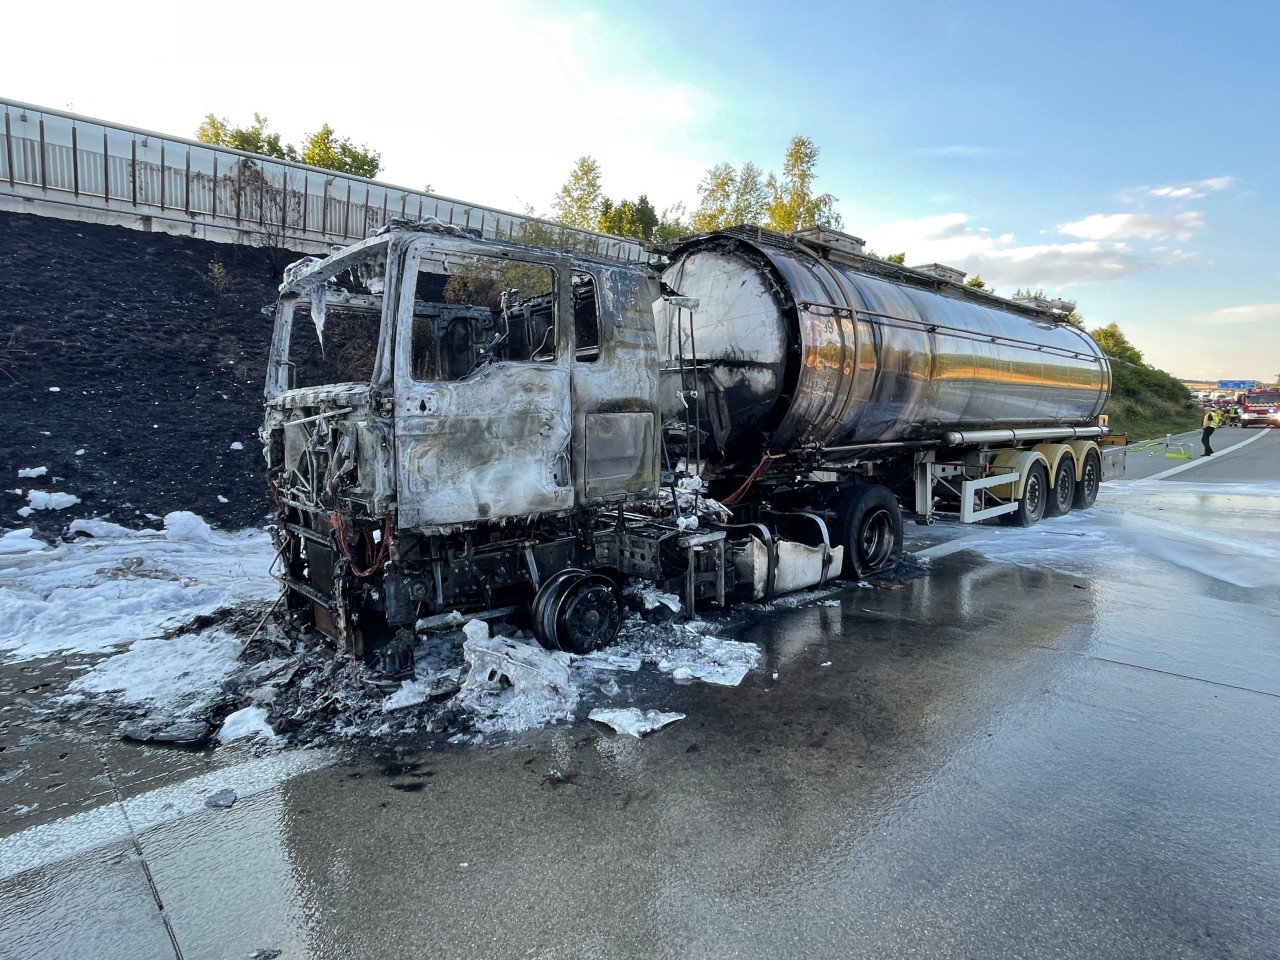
(633, 721)
(414, 692)
(162, 620)
(651, 598)
(603, 660)
(513, 686)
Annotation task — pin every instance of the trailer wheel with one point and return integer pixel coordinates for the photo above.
(1035, 494)
(576, 611)
(1062, 496)
(870, 530)
(1090, 477)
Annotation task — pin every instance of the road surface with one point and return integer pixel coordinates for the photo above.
(1056, 742)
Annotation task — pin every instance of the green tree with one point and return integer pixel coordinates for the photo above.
(898, 258)
(793, 205)
(627, 219)
(325, 149)
(976, 282)
(731, 197)
(672, 224)
(1115, 345)
(580, 202)
(322, 149)
(251, 139)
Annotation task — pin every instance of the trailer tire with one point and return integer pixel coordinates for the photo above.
(1062, 495)
(870, 530)
(1090, 478)
(1035, 494)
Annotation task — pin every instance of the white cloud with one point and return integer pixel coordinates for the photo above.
(1053, 265)
(1193, 189)
(944, 238)
(1142, 226)
(950, 238)
(1256, 313)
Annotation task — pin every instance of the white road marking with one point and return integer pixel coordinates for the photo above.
(48, 843)
(1194, 463)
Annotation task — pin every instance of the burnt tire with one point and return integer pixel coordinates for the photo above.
(1090, 479)
(1034, 499)
(1063, 492)
(869, 527)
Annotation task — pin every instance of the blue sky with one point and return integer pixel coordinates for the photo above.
(1124, 155)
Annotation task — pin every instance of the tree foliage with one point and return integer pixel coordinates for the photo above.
(977, 282)
(580, 202)
(627, 219)
(898, 258)
(326, 149)
(729, 196)
(1115, 345)
(321, 149)
(251, 139)
(793, 205)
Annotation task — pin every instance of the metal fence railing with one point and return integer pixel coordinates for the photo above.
(60, 158)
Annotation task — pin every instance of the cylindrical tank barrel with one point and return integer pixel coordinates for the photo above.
(788, 349)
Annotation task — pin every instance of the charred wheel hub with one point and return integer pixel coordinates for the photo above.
(577, 611)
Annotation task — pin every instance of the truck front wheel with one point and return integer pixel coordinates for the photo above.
(870, 530)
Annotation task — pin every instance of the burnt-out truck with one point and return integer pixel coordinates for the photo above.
(479, 427)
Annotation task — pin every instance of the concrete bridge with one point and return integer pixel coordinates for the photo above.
(59, 164)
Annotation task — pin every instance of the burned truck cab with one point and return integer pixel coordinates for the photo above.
(447, 418)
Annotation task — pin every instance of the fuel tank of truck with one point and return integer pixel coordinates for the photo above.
(794, 345)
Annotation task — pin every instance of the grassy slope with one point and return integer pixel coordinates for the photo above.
(1148, 403)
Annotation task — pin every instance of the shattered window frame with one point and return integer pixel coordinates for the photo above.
(486, 312)
(586, 324)
(353, 284)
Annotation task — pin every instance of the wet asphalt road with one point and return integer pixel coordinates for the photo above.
(1002, 758)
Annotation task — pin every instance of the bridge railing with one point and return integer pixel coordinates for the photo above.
(111, 173)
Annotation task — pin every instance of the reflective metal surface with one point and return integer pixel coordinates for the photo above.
(822, 352)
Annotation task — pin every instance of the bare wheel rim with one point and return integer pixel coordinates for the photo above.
(875, 539)
(590, 616)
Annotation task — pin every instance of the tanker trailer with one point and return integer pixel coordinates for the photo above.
(797, 369)
(459, 425)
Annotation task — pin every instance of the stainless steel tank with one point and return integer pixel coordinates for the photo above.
(790, 348)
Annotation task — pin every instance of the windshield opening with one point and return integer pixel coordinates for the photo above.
(329, 325)
(341, 350)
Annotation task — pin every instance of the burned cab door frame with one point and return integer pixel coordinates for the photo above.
(481, 436)
(615, 383)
